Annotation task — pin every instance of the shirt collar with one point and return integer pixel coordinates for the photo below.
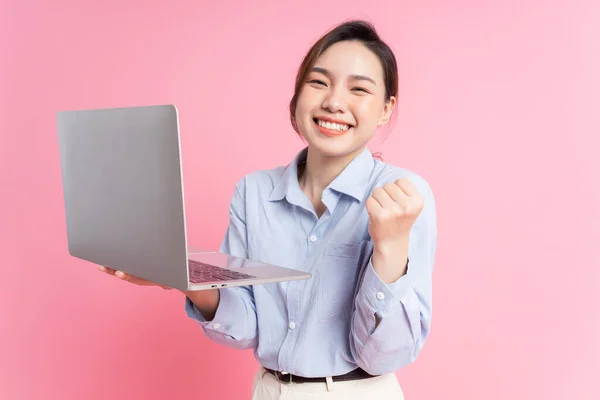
(288, 184)
(351, 181)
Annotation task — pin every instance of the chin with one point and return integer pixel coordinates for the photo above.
(334, 147)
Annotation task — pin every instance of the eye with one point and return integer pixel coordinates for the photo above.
(360, 89)
(317, 82)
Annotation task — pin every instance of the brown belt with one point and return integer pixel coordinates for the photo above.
(356, 374)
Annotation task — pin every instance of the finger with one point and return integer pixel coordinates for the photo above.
(107, 270)
(372, 206)
(134, 279)
(383, 198)
(396, 193)
(126, 277)
(122, 275)
(407, 187)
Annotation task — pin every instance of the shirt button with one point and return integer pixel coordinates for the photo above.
(292, 325)
(216, 326)
(380, 296)
(313, 238)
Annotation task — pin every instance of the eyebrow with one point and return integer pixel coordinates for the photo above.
(353, 77)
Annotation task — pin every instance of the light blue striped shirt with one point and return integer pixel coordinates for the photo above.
(325, 325)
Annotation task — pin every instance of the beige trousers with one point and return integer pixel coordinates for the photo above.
(384, 387)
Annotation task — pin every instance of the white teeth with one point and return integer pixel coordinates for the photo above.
(333, 126)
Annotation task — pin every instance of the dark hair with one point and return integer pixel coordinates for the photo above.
(355, 30)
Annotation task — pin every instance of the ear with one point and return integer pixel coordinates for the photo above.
(388, 109)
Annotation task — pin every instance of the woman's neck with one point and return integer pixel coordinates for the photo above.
(319, 171)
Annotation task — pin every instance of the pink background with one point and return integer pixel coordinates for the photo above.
(498, 110)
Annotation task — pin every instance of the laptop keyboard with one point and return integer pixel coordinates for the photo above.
(201, 273)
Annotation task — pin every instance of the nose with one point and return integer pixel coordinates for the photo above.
(334, 102)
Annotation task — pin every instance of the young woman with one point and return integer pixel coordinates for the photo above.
(366, 231)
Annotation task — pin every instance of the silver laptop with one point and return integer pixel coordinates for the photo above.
(124, 201)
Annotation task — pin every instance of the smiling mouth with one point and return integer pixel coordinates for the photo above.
(332, 128)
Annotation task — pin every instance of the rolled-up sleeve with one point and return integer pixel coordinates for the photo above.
(391, 322)
(234, 324)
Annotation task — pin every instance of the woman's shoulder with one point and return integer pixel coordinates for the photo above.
(261, 182)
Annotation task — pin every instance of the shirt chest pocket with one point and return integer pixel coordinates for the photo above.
(338, 276)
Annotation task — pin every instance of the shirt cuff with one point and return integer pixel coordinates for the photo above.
(381, 295)
(222, 322)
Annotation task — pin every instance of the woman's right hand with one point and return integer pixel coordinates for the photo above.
(206, 301)
(130, 278)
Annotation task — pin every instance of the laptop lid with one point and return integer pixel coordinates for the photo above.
(123, 190)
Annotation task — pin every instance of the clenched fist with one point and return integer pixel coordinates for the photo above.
(392, 211)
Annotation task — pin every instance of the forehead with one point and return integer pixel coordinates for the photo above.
(350, 58)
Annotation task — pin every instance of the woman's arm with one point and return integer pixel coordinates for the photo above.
(206, 301)
(228, 316)
(392, 314)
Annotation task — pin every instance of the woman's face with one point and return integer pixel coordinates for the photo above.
(342, 101)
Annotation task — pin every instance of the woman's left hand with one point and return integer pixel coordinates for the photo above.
(392, 211)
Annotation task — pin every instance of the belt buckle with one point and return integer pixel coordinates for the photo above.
(282, 379)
